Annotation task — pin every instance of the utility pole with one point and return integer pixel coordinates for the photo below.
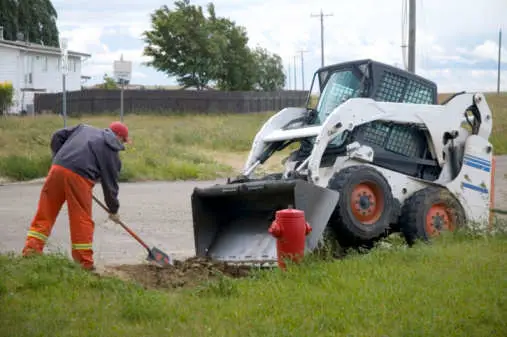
(411, 36)
(499, 60)
(288, 72)
(295, 77)
(303, 68)
(321, 15)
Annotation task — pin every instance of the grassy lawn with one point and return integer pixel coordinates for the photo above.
(455, 287)
(168, 147)
(164, 148)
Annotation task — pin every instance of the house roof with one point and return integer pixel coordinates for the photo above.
(29, 46)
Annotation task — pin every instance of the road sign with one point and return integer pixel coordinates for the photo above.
(122, 70)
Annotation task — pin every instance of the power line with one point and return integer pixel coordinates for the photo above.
(321, 15)
(288, 75)
(301, 52)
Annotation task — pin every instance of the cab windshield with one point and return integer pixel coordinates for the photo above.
(340, 86)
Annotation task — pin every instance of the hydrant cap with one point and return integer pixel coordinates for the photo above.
(290, 213)
(275, 229)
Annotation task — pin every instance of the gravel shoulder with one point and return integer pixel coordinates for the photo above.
(158, 211)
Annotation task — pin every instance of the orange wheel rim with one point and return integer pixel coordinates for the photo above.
(367, 202)
(438, 219)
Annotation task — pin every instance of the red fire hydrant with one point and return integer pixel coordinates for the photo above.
(290, 229)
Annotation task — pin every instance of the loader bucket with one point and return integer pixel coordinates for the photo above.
(231, 221)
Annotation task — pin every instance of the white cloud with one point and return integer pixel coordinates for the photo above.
(488, 51)
(86, 39)
(449, 33)
(454, 80)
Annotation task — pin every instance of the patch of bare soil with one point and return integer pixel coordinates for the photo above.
(186, 273)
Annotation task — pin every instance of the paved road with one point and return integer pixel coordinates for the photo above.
(158, 211)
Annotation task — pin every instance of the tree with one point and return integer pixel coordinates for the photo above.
(180, 44)
(269, 75)
(8, 18)
(233, 57)
(109, 83)
(200, 50)
(36, 19)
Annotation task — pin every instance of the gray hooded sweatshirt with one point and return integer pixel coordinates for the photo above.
(92, 153)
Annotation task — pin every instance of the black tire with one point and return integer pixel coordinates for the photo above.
(448, 214)
(351, 230)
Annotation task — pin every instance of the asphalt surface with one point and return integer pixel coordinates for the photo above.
(158, 211)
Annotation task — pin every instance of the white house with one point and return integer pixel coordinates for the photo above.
(35, 68)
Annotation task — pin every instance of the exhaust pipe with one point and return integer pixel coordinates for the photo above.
(231, 221)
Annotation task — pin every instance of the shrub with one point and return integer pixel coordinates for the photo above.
(6, 96)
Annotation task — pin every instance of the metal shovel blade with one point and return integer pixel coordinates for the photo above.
(159, 257)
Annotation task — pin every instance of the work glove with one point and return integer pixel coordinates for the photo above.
(115, 217)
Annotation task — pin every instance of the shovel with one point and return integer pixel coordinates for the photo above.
(154, 254)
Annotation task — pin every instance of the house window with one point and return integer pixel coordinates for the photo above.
(72, 64)
(44, 63)
(28, 69)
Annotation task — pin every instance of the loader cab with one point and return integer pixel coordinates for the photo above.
(366, 78)
(396, 144)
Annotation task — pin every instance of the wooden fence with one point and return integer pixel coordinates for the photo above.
(97, 101)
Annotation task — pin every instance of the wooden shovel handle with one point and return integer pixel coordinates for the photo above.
(134, 235)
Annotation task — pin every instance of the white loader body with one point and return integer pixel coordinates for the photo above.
(377, 155)
(473, 184)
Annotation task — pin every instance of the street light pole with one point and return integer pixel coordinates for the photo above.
(64, 69)
(122, 71)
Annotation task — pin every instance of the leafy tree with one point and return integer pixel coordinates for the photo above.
(201, 50)
(233, 57)
(8, 18)
(180, 44)
(109, 83)
(269, 75)
(36, 19)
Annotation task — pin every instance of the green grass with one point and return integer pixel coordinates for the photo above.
(168, 147)
(455, 287)
(165, 147)
(498, 106)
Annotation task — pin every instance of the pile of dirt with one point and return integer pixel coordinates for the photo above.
(186, 273)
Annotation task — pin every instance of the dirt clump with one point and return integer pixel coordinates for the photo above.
(186, 273)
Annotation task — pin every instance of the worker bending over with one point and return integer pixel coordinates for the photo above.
(82, 156)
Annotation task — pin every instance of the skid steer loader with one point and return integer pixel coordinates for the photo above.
(377, 155)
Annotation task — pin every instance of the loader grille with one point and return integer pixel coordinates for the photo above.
(404, 141)
(391, 87)
(376, 133)
(396, 88)
(400, 139)
(398, 147)
(418, 93)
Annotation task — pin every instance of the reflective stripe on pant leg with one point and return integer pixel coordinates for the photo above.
(82, 246)
(79, 202)
(52, 197)
(37, 235)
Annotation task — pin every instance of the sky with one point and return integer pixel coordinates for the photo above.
(456, 43)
